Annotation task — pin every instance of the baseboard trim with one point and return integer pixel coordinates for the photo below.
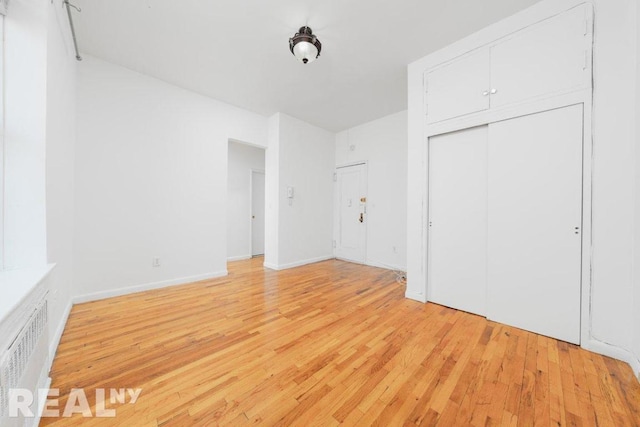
(385, 266)
(297, 263)
(270, 265)
(96, 296)
(42, 399)
(416, 297)
(615, 352)
(55, 340)
(239, 258)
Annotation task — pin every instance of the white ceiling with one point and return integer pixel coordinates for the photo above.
(237, 51)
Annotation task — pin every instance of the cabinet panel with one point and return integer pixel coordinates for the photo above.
(458, 219)
(549, 58)
(459, 88)
(534, 222)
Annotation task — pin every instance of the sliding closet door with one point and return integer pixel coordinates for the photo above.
(458, 219)
(534, 222)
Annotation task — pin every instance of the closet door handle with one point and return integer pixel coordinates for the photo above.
(494, 91)
(485, 93)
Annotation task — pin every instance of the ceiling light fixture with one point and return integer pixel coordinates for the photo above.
(304, 45)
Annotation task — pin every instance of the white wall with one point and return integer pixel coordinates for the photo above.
(382, 144)
(614, 128)
(272, 194)
(614, 122)
(636, 278)
(61, 134)
(302, 156)
(25, 82)
(150, 179)
(242, 160)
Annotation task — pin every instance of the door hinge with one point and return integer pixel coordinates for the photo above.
(586, 60)
(334, 244)
(335, 178)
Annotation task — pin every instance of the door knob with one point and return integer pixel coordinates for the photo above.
(361, 217)
(485, 93)
(494, 91)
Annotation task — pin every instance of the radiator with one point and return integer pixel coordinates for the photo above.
(22, 361)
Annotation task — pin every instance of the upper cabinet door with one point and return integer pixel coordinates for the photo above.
(546, 59)
(458, 88)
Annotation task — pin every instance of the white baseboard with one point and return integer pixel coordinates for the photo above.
(270, 266)
(297, 263)
(146, 287)
(615, 352)
(416, 297)
(55, 340)
(42, 399)
(385, 266)
(239, 258)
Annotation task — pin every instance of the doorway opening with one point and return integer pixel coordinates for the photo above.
(245, 201)
(257, 212)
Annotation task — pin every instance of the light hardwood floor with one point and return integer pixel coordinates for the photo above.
(325, 344)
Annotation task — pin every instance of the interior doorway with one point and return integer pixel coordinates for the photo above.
(245, 201)
(257, 213)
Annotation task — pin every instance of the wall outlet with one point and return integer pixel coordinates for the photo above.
(155, 262)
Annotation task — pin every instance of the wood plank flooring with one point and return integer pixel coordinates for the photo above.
(322, 345)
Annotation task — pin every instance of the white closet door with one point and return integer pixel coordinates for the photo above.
(534, 227)
(549, 58)
(458, 219)
(459, 88)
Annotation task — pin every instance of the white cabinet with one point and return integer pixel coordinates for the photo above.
(535, 222)
(505, 127)
(459, 88)
(546, 59)
(458, 219)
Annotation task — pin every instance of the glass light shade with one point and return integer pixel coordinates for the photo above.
(305, 50)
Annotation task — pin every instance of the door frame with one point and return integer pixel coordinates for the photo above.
(251, 172)
(336, 206)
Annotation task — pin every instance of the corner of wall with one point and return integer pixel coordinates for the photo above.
(636, 192)
(272, 185)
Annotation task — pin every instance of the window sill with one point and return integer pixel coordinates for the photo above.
(17, 285)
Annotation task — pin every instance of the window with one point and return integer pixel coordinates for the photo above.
(3, 11)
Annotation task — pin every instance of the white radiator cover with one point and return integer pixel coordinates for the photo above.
(24, 353)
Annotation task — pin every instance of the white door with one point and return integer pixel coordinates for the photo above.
(351, 218)
(257, 213)
(535, 222)
(458, 220)
(459, 88)
(549, 58)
